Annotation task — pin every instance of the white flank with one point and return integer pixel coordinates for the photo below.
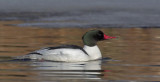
(65, 54)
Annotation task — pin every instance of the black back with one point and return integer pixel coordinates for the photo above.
(67, 46)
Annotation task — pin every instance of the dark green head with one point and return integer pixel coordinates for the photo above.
(91, 37)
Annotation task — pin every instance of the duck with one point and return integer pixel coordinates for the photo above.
(72, 53)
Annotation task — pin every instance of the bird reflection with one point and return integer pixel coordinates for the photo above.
(70, 70)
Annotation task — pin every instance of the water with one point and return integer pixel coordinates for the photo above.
(82, 13)
(134, 55)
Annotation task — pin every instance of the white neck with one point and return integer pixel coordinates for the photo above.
(93, 52)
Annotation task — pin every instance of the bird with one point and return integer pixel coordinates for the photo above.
(71, 53)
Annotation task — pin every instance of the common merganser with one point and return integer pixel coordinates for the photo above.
(72, 53)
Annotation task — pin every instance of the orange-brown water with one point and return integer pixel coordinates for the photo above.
(135, 55)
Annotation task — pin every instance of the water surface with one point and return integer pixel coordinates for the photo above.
(135, 55)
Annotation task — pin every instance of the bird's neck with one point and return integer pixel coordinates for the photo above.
(93, 52)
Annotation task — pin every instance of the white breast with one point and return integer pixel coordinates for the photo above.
(94, 52)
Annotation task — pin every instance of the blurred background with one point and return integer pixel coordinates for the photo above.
(82, 13)
(28, 25)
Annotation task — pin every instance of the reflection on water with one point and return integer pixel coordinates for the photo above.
(63, 70)
(135, 55)
(92, 65)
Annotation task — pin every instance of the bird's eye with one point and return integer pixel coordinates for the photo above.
(100, 34)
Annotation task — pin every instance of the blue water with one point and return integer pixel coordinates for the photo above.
(82, 13)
